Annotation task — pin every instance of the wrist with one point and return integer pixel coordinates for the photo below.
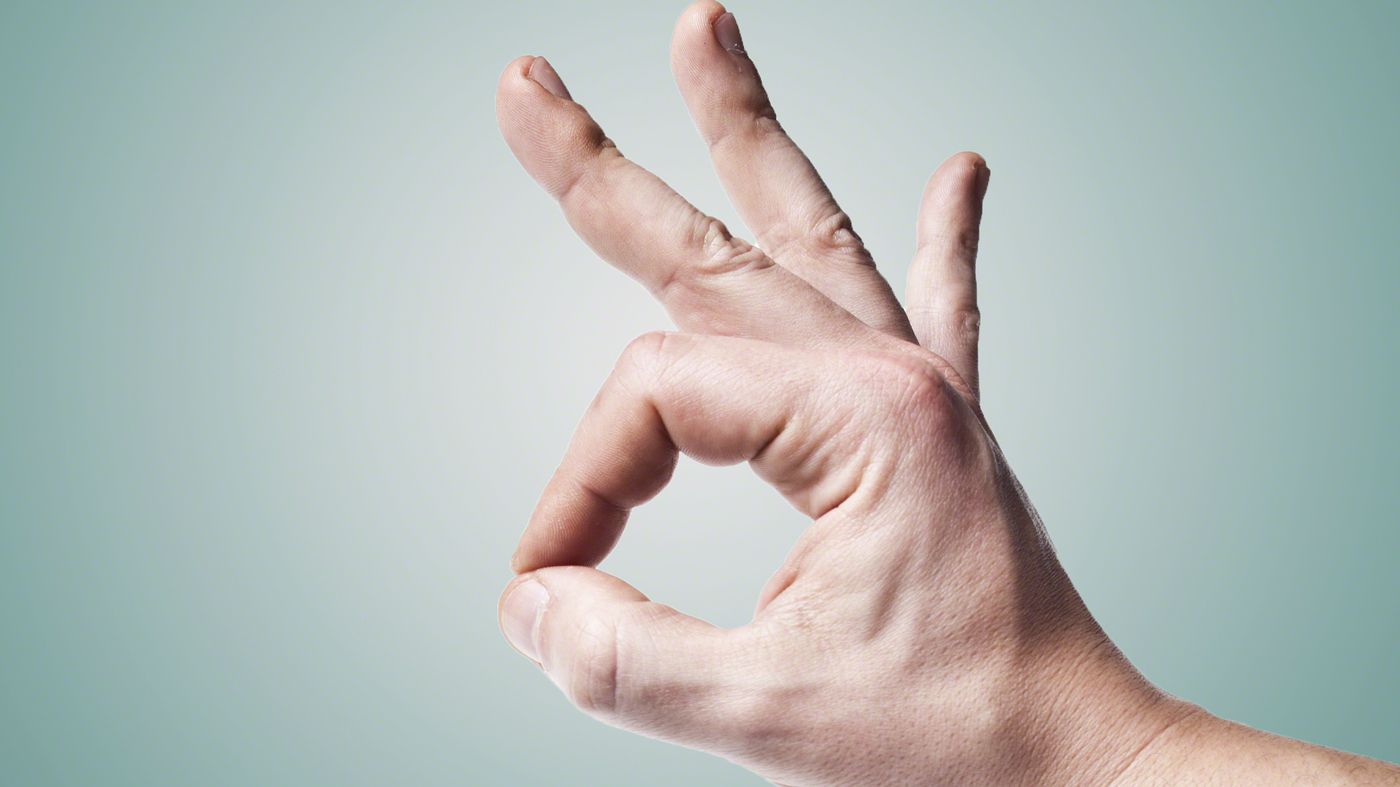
(1096, 719)
(1085, 716)
(1202, 750)
(1067, 709)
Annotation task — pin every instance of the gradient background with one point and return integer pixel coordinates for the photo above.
(289, 344)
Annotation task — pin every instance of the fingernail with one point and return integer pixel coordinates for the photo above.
(983, 178)
(543, 73)
(520, 617)
(727, 34)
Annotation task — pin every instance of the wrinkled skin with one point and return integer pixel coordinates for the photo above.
(922, 631)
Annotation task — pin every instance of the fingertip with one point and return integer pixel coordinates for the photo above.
(516, 73)
(965, 161)
(514, 81)
(958, 183)
(549, 132)
(696, 45)
(971, 157)
(983, 173)
(518, 613)
(716, 77)
(698, 18)
(518, 67)
(533, 552)
(526, 77)
(963, 165)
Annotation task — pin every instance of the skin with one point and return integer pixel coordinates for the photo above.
(922, 631)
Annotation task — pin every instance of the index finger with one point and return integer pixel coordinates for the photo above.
(717, 399)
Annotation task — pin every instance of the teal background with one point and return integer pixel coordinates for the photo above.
(289, 344)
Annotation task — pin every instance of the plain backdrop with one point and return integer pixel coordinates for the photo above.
(289, 344)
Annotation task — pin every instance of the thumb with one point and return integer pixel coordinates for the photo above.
(634, 663)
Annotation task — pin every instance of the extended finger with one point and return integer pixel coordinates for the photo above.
(708, 280)
(717, 399)
(942, 291)
(772, 184)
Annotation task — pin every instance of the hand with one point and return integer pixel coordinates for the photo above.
(922, 631)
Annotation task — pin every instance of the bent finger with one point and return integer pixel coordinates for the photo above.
(719, 400)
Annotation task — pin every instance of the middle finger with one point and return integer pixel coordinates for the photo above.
(772, 184)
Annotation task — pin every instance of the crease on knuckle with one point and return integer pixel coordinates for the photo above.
(834, 232)
(964, 321)
(953, 311)
(830, 237)
(722, 256)
(962, 241)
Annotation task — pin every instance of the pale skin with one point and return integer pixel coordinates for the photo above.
(922, 631)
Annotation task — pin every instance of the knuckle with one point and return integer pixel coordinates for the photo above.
(593, 673)
(721, 256)
(643, 358)
(645, 350)
(652, 366)
(712, 235)
(835, 233)
(967, 322)
(766, 125)
(832, 236)
(951, 308)
(916, 384)
(963, 321)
